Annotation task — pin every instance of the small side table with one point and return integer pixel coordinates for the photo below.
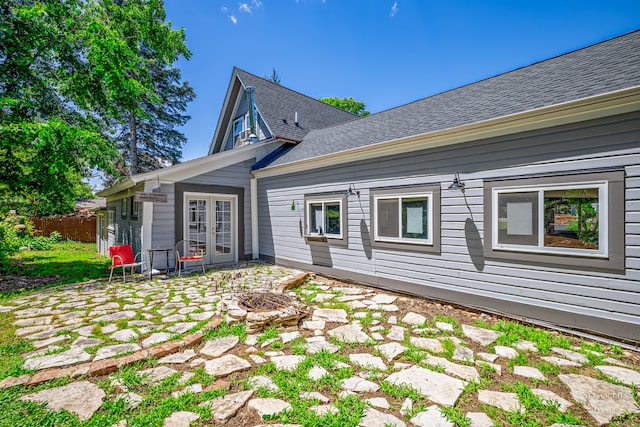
(152, 251)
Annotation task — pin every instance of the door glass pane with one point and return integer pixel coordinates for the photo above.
(197, 227)
(518, 218)
(332, 218)
(571, 218)
(387, 218)
(223, 227)
(415, 212)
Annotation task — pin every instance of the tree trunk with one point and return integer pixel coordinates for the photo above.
(133, 144)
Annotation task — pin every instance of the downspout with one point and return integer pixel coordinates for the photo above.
(252, 115)
(255, 243)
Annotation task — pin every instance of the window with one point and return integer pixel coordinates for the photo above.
(562, 219)
(324, 218)
(566, 217)
(238, 128)
(406, 218)
(111, 219)
(135, 207)
(123, 207)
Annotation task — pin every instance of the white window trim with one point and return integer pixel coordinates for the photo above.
(603, 223)
(399, 239)
(324, 201)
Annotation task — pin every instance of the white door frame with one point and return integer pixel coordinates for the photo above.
(211, 197)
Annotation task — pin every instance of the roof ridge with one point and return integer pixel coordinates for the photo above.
(236, 68)
(503, 73)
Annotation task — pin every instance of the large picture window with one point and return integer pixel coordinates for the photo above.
(324, 218)
(561, 220)
(555, 219)
(405, 218)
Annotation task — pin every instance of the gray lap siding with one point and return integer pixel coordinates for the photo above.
(599, 300)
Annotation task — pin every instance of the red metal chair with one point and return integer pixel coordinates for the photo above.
(122, 256)
(189, 251)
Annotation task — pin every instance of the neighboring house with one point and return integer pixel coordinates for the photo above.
(518, 194)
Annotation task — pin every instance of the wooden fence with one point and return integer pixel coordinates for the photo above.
(77, 229)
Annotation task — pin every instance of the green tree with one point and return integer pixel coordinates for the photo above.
(70, 70)
(348, 104)
(274, 77)
(153, 141)
(46, 141)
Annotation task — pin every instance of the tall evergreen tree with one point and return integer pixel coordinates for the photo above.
(152, 141)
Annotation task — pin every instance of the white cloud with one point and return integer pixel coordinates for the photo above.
(394, 9)
(233, 19)
(224, 9)
(256, 3)
(244, 7)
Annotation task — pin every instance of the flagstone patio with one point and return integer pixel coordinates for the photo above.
(89, 332)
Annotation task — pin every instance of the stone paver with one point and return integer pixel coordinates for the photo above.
(374, 418)
(180, 419)
(115, 350)
(391, 350)
(70, 357)
(529, 372)
(225, 365)
(431, 417)
(82, 398)
(367, 361)
(430, 344)
(550, 398)
(413, 319)
(601, 399)
(350, 334)
(225, 407)
(269, 406)
(336, 315)
(624, 375)
(506, 401)
(439, 388)
(287, 363)
(480, 335)
(358, 384)
(479, 419)
(219, 346)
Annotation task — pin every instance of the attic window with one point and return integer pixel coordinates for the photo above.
(241, 130)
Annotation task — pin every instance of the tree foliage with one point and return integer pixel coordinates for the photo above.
(70, 71)
(274, 77)
(348, 104)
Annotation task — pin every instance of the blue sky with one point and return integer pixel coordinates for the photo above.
(383, 52)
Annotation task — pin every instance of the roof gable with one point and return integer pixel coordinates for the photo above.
(595, 70)
(278, 107)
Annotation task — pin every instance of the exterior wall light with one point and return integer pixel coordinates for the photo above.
(351, 191)
(457, 184)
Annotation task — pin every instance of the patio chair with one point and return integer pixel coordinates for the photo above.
(189, 251)
(122, 257)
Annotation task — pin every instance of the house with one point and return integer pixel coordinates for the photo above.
(209, 198)
(518, 194)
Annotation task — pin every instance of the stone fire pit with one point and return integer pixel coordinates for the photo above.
(263, 309)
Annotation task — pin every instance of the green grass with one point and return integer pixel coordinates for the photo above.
(11, 347)
(73, 262)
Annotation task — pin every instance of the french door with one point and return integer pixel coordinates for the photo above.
(211, 221)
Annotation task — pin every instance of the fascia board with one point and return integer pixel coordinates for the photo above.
(225, 105)
(613, 103)
(189, 169)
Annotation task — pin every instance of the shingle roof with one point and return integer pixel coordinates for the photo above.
(601, 68)
(278, 106)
